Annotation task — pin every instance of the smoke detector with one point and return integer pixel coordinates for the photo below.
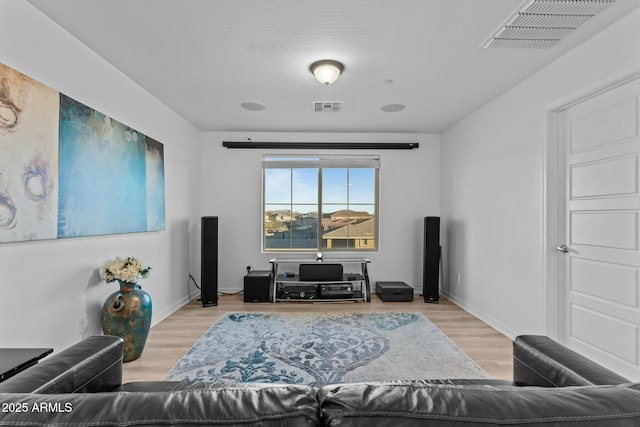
(327, 106)
(541, 24)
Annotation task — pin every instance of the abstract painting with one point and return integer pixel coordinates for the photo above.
(67, 170)
(28, 158)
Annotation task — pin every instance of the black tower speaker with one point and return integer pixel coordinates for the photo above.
(431, 268)
(209, 261)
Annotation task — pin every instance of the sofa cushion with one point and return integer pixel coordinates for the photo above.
(265, 406)
(415, 403)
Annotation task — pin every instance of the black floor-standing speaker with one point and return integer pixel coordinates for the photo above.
(209, 261)
(431, 267)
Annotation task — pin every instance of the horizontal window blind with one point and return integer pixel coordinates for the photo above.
(273, 162)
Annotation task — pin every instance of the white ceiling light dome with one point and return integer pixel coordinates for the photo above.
(327, 71)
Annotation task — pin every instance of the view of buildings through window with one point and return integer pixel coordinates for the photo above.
(320, 208)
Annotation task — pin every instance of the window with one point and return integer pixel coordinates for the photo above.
(320, 203)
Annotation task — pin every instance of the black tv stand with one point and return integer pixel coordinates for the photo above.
(353, 285)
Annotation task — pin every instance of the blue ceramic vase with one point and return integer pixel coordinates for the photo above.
(126, 313)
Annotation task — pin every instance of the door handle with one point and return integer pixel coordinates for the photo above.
(562, 248)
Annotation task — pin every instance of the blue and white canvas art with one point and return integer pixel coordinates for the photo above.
(67, 170)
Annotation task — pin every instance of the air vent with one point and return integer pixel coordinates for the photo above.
(541, 24)
(327, 106)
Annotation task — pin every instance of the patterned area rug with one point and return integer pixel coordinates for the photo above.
(323, 349)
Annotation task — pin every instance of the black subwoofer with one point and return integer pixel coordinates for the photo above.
(257, 284)
(431, 265)
(209, 261)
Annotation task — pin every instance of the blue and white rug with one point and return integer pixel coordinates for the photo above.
(319, 349)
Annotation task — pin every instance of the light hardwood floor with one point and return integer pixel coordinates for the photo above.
(170, 339)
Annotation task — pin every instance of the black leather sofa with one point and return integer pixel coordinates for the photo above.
(553, 386)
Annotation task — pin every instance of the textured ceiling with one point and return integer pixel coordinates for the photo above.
(204, 58)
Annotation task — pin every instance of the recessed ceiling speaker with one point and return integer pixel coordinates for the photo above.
(209, 261)
(431, 265)
(253, 106)
(393, 108)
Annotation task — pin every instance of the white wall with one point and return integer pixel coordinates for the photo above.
(493, 177)
(231, 190)
(49, 286)
(491, 200)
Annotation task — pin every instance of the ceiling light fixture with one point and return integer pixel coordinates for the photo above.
(326, 71)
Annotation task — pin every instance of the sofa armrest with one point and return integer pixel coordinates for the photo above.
(540, 361)
(92, 365)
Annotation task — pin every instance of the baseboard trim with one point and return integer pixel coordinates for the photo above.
(489, 320)
(159, 317)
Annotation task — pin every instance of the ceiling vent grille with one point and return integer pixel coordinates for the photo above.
(541, 24)
(327, 106)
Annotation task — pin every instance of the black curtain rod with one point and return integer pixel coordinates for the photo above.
(323, 145)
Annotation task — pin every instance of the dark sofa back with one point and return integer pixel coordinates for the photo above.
(415, 403)
(230, 406)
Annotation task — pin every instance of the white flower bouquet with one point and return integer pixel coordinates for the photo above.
(128, 269)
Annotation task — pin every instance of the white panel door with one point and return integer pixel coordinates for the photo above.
(600, 232)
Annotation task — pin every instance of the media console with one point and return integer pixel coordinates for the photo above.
(340, 279)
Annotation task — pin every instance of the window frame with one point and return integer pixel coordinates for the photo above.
(320, 162)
